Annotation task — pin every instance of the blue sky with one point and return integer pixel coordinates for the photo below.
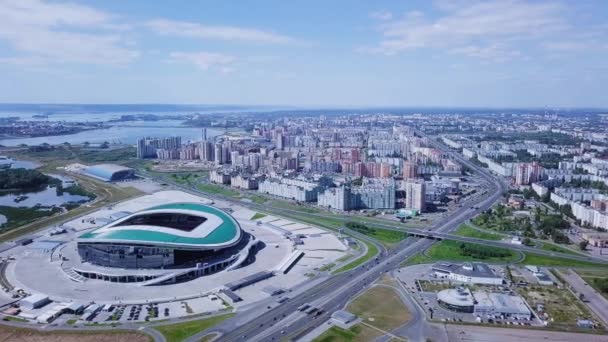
(504, 53)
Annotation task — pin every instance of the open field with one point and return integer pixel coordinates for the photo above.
(380, 307)
(561, 308)
(18, 216)
(217, 190)
(434, 285)
(63, 155)
(30, 335)
(542, 260)
(258, 216)
(451, 250)
(356, 333)
(371, 251)
(459, 332)
(180, 331)
(466, 230)
(416, 259)
(551, 247)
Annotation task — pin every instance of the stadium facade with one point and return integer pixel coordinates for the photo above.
(177, 235)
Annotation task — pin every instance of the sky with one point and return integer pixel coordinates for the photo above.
(448, 53)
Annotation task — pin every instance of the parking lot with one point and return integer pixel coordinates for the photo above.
(158, 311)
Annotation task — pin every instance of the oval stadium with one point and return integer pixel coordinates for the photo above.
(176, 235)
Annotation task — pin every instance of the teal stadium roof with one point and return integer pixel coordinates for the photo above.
(219, 230)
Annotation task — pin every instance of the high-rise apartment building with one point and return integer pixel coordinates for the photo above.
(415, 194)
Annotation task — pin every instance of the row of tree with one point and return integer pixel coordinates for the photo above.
(23, 179)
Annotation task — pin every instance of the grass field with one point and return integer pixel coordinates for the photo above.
(372, 250)
(387, 237)
(218, 190)
(356, 333)
(434, 285)
(258, 216)
(18, 216)
(450, 250)
(380, 307)
(416, 259)
(563, 309)
(547, 246)
(542, 260)
(469, 231)
(180, 331)
(31, 335)
(74, 154)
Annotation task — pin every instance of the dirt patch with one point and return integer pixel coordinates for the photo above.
(30, 335)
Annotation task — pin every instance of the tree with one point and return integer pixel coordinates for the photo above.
(527, 241)
(583, 245)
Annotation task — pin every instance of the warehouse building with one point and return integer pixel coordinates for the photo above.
(483, 304)
(472, 273)
(110, 172)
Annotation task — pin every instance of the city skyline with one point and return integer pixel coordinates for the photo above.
(406, 54)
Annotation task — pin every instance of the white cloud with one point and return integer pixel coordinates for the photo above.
(484, 29)
(46, 32)
(381, 15)
(494, 52)
(195, 30)
(204, 60)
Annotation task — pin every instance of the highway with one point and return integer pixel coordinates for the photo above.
(285, 322)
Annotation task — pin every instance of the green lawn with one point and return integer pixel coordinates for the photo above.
(542, 260)
(18, 216)
(180, 331)
(372, 250)
(387, 237)
(547, 246)
(217, 189)
(15, 319)
(469, 231)
(356, 333)
(416, 259)
(380, 307)
(257, 199)
(258, 216)
(450, 250)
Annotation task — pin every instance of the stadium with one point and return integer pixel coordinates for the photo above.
(176, 235)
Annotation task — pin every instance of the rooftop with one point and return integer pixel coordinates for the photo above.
(475, 269)
(187, 225)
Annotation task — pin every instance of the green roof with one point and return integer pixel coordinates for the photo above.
(222, 234)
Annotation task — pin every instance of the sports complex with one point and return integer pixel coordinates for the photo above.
(169, 247)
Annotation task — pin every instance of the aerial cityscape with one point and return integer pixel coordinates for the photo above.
(462, 199)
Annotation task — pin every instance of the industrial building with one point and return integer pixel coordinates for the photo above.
(483, 304)
(110, 172)
(472, 273)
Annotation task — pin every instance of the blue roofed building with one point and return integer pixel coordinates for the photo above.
(110, 172)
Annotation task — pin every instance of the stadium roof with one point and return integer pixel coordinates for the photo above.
(107, 172)
(207, 228)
